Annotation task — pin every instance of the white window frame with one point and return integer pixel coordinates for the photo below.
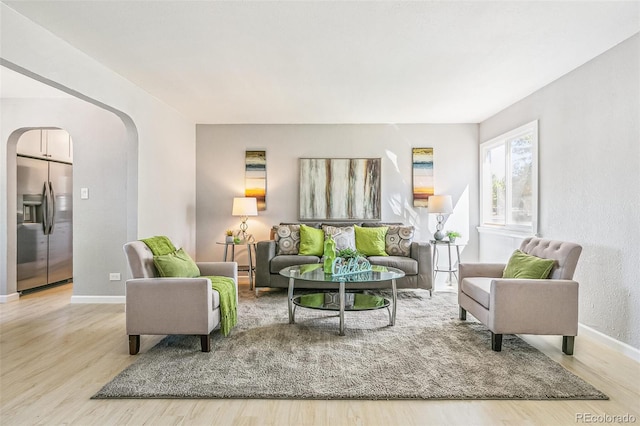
(504, 139)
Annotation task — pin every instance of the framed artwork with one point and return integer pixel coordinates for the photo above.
(255, 177)
(340, 188)
(422, 160)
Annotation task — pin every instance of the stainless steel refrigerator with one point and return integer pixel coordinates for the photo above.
(45, 227)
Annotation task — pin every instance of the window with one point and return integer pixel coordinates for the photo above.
(509, 180)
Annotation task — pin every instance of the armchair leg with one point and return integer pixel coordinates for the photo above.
(205, 342)
(496, 342)
(567, 344)
(134, 344)
(463, 313)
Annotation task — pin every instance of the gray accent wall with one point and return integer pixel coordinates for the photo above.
(220, 166)
(589, 180)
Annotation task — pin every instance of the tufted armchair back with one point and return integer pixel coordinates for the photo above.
(565, 254)
(140, 260)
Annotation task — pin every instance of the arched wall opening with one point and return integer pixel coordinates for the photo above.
(105, 161)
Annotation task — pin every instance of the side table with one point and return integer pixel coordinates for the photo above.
(250, 268)
(453, 266)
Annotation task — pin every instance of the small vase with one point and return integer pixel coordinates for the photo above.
(452, 240)
(229, 239)
(329, 254)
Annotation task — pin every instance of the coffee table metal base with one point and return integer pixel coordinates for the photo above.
(341, 299)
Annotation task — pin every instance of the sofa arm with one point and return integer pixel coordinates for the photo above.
(265, 251)
(169, 306)
(421, 252)
(487, 270)
(534, 306)
(221, 269)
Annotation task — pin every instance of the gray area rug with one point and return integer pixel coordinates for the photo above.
(428, 354)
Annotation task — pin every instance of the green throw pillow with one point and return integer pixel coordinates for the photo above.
(311, 241)
(176, 264)
(522, 265)
(371, 241)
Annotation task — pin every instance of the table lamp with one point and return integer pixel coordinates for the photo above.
(441, 205)
(244, 207)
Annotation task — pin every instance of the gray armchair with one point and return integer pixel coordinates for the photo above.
(171, 305)
(524, 306)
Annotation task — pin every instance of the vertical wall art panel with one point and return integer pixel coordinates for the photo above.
(255, 177)
(422, 176)
(340, 188)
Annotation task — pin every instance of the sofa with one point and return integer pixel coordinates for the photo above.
(401, 252)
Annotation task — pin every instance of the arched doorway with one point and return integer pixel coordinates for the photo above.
(100, 133)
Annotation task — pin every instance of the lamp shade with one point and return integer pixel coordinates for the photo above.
(440, 204)
(244, 206)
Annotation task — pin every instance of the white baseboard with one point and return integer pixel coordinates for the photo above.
(610, 342)
(97, 299)
(9, 297)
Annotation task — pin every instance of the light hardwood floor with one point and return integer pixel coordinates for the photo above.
(55, 356)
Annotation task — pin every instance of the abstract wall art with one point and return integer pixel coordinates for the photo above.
(340, 188)
(422, 176)
(255, 177)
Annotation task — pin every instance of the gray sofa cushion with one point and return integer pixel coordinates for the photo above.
(398, 240)
(288, 238)
(344, 236)
(406, 264)
(284, 260)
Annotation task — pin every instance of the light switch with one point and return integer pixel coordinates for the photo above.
(84, 193)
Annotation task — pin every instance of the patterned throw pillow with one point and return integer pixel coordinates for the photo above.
(398, 240)
(344, 237)
(288, 239)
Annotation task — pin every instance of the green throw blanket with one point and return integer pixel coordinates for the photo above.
(226, 287)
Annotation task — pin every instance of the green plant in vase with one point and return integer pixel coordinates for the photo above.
(348, 253)
(453, 235)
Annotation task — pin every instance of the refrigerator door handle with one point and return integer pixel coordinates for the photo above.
(45, 210)
(52, 209)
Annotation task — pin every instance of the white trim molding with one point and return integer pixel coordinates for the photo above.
(609, 342)
(9, 297)
(98, 299)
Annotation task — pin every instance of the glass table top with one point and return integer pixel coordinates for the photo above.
(315, 272)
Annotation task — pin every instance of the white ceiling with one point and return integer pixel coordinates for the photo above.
(338, 62)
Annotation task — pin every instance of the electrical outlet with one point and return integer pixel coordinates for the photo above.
(114, 276)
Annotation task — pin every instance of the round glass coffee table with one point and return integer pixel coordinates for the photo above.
(358, 281)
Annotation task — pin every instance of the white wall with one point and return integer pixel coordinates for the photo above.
(220, 173)
(97, 248)
(160, 143)
(589, 140)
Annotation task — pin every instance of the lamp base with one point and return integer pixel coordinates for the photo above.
(439, 235)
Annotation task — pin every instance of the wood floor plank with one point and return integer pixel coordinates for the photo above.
(54, 356)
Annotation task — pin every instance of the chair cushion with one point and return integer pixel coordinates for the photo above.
(477, 288)
(280, 262)
(176, 264)
(407, 265)
(215, 300)
(311, 241)
(522, 265)
(371, 241)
